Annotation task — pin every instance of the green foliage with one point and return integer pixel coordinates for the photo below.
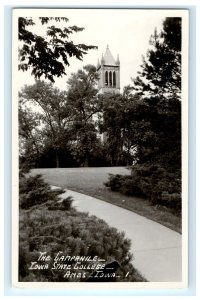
(34, 191)
(124, 184)
(65, 204)
(62, 122)
(74, 234)
(48, 55)
(161, 69)
(154, 116)
(152, 182)
(118, 125)
(158, 88)
(49, 126)
(158, 132)
(53, 227)
(83, 104)
(49, 224)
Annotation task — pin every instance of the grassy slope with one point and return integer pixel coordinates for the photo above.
(90, 181)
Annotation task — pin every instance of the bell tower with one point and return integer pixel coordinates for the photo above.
(109, 73)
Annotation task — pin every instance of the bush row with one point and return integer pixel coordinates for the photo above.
(151, 182)
(51, 226)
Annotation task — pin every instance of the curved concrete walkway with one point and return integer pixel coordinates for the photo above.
(157, 249)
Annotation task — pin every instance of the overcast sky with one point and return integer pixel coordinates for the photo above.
(126, 31)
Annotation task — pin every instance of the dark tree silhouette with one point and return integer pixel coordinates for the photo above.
(50, 54)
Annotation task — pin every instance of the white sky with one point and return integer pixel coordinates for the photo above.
(126, 31)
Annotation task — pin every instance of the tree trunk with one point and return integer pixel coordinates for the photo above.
(57, 160)
(128, 153)
(86, 162)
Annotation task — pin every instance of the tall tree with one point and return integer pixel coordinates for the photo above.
(50, 108)
(84, 106)
(160, 73)
(48, 55)
(156, 115)
(158, 126)
(30, 137)
(118, 125)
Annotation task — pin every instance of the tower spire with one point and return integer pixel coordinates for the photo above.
(117, 61)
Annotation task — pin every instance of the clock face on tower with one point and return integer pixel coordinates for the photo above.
(109, 73)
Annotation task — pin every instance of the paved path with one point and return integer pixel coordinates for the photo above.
(157, 249)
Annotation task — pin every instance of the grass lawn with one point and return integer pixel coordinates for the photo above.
(90, 181)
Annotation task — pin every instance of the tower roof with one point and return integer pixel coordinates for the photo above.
(108, 58)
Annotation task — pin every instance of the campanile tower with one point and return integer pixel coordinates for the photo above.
(109, 73)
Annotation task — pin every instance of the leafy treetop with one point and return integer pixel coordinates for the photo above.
(50, 54)
(161, 68)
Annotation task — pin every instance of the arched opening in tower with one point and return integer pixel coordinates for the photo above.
(114, 79)
(110, 78)
(106, 78)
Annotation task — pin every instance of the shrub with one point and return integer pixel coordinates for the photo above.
(115, 182)
(65, 204)
(48, 224)
(153, 182)
(75, 234)
(34, 191)
(124, 184)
